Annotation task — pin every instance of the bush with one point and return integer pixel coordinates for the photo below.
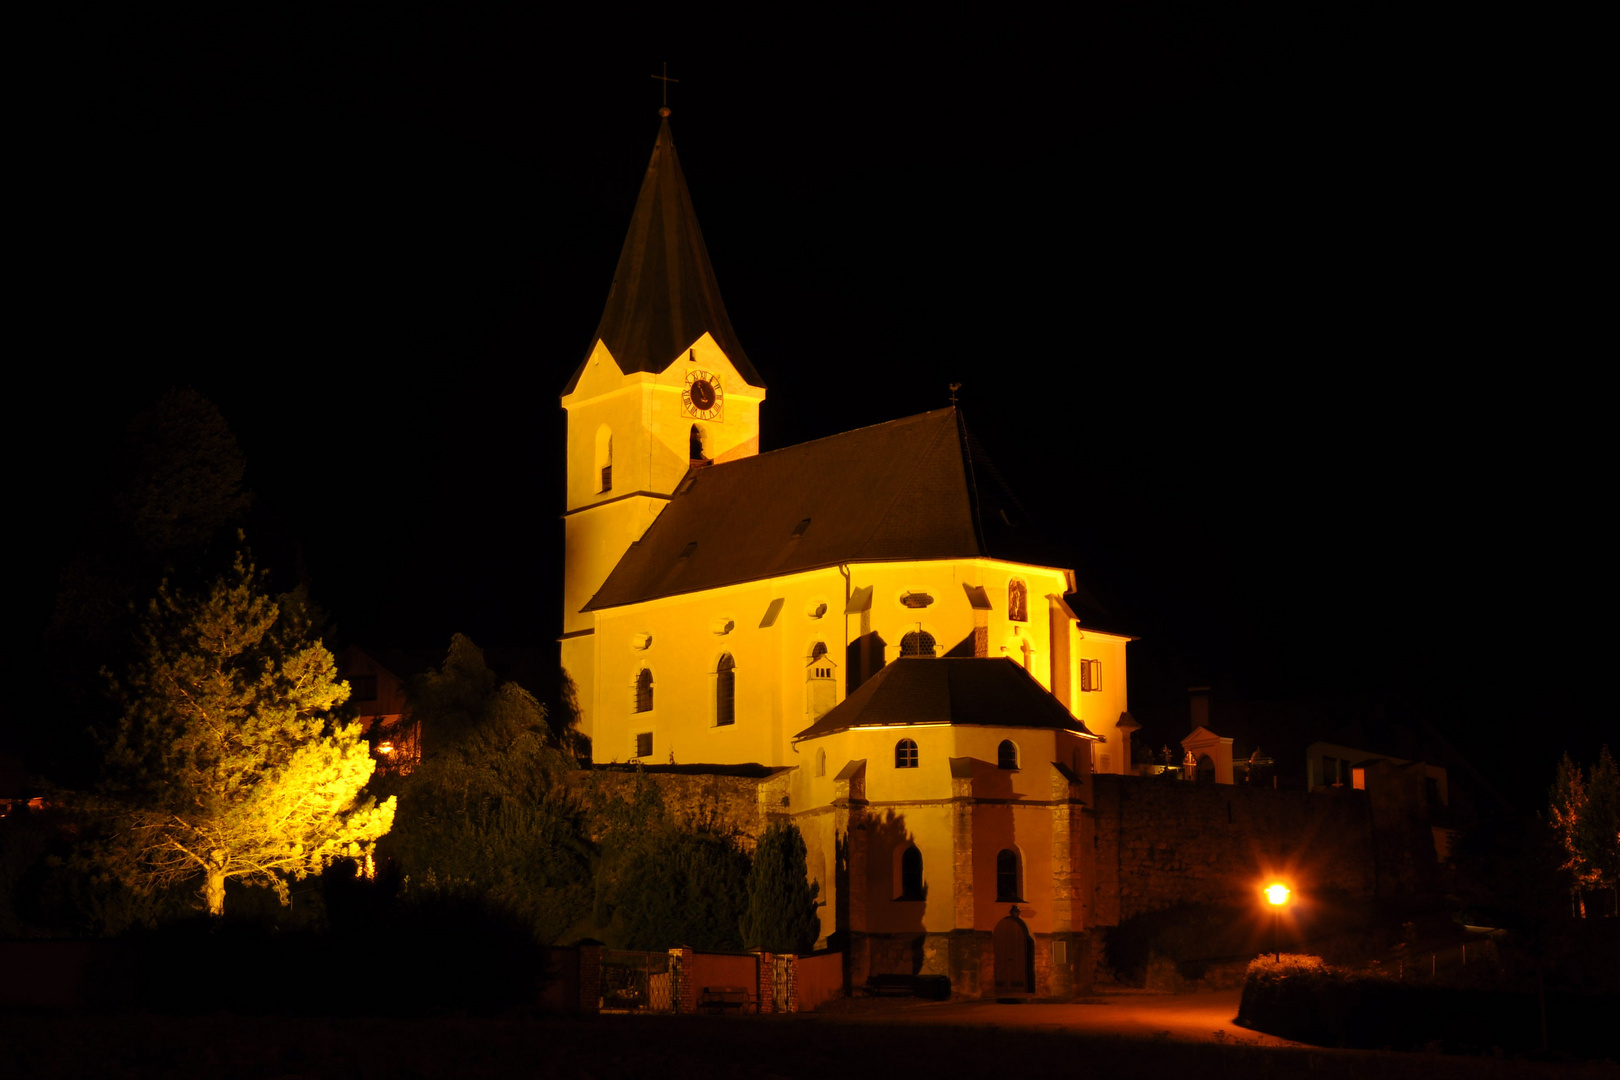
(1303, 998)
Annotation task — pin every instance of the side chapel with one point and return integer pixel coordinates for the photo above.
(860, 614)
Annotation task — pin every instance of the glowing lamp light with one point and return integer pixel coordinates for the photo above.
(1276, 895)
(388, 748)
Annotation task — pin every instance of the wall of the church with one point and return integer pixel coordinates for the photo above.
(680, 640)
(958, 814)
(634, 423)
(1101, 695)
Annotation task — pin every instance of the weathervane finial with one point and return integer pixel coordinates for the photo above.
(663, 110)
(955, 386)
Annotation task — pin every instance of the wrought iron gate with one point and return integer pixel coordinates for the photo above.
(635, 981)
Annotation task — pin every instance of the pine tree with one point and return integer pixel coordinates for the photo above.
(225, 762)
(781, 914)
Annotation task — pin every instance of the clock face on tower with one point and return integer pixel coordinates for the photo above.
(702, 397)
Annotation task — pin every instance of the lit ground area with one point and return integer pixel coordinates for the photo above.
(1122, 1038)
(1181, 1017)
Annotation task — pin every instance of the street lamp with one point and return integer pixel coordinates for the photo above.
(1277, 896)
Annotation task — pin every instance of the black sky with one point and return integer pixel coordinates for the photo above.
(1280, 319)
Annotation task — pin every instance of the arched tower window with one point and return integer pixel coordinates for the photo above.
(1017, 601)
(697, 444)
(644, 687)
(1007, 876)
(917, 643)
(1007, 755)
(604, 457)
(821, 762)
(819, 667)
(725, 691)
(905, 754)
(911, 874)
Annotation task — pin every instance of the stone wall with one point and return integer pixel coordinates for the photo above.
(738, 799)
(1163, 842)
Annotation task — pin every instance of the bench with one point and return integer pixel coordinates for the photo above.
(717, 998)
(932, 987)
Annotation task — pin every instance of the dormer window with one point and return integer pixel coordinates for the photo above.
(798, 530)
(917, 643)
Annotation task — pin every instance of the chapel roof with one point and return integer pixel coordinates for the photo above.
(917, 488)
(664, 296)
(976, 691)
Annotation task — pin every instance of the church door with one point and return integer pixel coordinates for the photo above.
(1015, 956)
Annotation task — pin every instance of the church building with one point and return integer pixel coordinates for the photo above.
(869, 616)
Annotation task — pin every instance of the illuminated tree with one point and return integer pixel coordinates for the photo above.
(1567, 811)
(781, 914)
(1585, 815)
(225, 762)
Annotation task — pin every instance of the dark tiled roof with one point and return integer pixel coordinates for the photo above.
(918, 488)
(664, 295)
(990, 691)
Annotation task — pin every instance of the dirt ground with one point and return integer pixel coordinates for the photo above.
(1116, 1036)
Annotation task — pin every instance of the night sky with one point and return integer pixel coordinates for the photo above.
(1278, 319)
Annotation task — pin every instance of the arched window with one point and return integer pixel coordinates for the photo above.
(911, 875)
(819, 668)
(1007, 876)
(1206, 769)
(1007, 755)
(604, 456)
(1017, 601)
(821, 762)
(905, 754)
(917, 643)
(725, 691)
(644, 691)
(697, 444)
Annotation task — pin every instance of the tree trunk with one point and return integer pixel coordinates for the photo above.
(214, 891)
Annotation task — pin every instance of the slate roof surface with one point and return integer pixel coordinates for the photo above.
(917, 488)
(664, 295)
(989, 691)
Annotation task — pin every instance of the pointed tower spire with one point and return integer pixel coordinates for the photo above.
(664, 295)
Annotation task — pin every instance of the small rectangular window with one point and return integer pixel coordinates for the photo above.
(644, 744)
(1090, 675)
(1060, 953)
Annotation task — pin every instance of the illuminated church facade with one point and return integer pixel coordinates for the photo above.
(860, 615)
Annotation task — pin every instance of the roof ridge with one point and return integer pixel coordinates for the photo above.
(763, 454)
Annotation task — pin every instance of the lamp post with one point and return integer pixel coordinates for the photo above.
(1277, 896)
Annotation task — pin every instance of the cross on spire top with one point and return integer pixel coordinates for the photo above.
(663, 110)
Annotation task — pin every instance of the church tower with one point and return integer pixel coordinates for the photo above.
(665, 388)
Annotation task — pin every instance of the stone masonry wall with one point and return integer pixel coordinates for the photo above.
(744, 804)
(1162, 842)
